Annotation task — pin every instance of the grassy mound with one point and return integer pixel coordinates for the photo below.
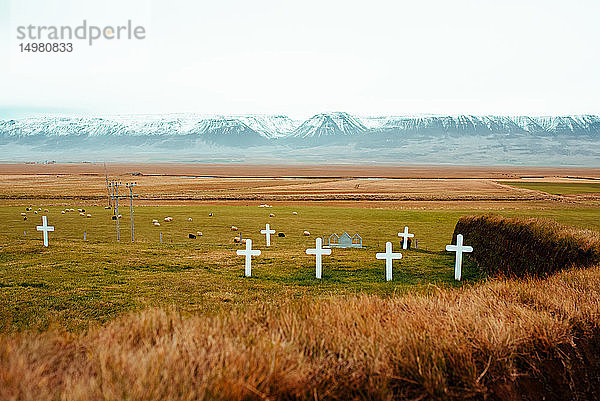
(527, 246)
(502, 339)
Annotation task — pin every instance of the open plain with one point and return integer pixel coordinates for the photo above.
(98, 286)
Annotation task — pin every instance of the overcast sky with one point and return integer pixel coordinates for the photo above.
(303, 57)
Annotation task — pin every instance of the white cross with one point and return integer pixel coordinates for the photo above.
(248, 253)
(45, 228)
(319, 251)
(459, 249)
(389, 257)
(406, 235)
(267, 231)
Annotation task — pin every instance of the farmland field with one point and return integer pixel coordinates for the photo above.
(78, 286)
(558, 188)
(75, 282)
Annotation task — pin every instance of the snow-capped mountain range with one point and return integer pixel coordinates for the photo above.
(517, 139)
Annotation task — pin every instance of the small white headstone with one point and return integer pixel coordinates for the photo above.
(267, 231)
(45, 228)
(459, 248)
(389, 257)
(248, 253)
(318, 251)
(406, 235)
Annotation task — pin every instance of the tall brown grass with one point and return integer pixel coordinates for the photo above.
(527, 246)
(503, 338)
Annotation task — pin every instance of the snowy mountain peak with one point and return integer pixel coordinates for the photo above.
(330, 124)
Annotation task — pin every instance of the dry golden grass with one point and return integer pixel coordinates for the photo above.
(505, 337)
(185, 182)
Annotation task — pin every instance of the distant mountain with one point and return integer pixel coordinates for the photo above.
(337, 136)
(329, 125)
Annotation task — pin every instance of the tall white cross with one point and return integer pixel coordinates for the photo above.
(406, 235)
(319, 251)
(389, 257)
(267, 231)
(45, 228)
(248, 253)
(459, 248)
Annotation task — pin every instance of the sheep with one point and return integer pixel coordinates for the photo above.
(199, 233)
(210, 215)
(46, 210)
(119, 216)
(264, 205)
(23, 214)
(28, 209)
(35, 211)
(157, 224)
(191, 236)
(237, 240)
(306, 233)
(294, 213)
(25, 218)
(63, 212)
(82, 214)
(189, 219)
(272, 215)
(234, 228)
(154, 221)
(167, 219)
(281, 235)
(107, 207)
(80, 210)
(88, 216)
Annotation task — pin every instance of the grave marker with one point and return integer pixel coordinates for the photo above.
(406, 235)
(319, 251)
(248, 253)
(267, 231)
(45, 228)
(389, 257)
(459, 248)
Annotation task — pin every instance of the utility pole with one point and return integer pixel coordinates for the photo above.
(107, 186)
(130, 185)
(115, 186)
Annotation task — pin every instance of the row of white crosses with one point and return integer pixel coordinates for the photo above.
(389, 256)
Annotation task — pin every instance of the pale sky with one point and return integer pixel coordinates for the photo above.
(299, 58)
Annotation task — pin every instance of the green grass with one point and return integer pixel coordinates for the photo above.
(557, 188)
(74, 282)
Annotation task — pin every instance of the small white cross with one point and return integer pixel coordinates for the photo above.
(459, 249)
(389, 257)
(248, 253)
(319, 251)
(267, 231)
(45, 228)
(406, 235)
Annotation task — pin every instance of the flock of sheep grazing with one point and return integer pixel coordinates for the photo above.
(156, 223)
(237, 239)
(65, 211)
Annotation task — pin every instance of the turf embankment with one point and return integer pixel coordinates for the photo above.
(527, 246)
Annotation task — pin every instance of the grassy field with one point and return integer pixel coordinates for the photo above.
(558, 188)
(101, 319)
(74, 282)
